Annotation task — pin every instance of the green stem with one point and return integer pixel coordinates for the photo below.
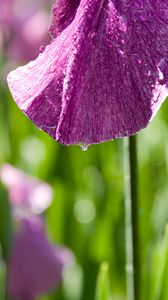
(131, 220)
(6, 283)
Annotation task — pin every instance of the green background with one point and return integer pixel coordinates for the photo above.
(87, 212)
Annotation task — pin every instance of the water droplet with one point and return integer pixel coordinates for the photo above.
(93, 34)
(84, 147)
(137, 58)
(123, 24)
(74, 51)
(121, 52)
(42, 48)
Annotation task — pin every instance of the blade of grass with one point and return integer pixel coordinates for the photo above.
(103, 291)
(161, 268)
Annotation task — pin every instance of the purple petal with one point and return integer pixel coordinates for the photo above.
(105, 76)
(34, 267)
(63, 13)
(38, 86)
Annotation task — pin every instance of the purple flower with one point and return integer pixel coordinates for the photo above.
(35, 265)
(26, 194)
(103, 76)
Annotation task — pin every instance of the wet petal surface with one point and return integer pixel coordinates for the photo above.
(63, 12)
(103, 77)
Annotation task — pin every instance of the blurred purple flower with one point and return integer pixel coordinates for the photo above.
(26, 194)
(103, 76)
(23, 28)
(35, 265)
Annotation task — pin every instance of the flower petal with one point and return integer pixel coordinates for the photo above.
(63, 12)
(34, 266)
(37, 87)
(114, 58)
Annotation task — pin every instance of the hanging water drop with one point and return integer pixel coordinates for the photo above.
(84, 147)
